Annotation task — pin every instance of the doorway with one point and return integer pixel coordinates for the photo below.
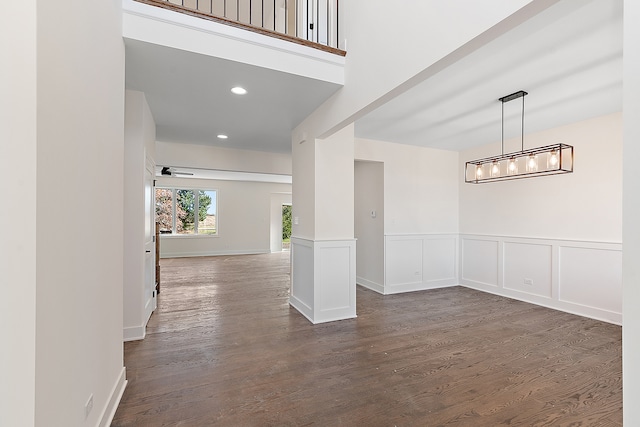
(286, 227)
(278, 221)
(369, 224)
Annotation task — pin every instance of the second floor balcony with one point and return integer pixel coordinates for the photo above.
(314, 23)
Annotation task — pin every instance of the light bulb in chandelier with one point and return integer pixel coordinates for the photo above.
(479, 171)
(495, 168)
(553, 159)
(532, 163)
(512, 166)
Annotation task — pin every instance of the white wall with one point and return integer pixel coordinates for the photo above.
(369, 227)
(79, 266)
(303, 155)
(244, 218)
(334, 186)
(631, 213)
(584, 205)
(209, 157)
(18, 146)
(139, 149)
(554, 240)
(420, 186)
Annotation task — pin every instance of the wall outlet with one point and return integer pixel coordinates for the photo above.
(296, 220)
(528, 281)
(88, 406)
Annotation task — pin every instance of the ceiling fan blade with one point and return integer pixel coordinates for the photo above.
(168, 171)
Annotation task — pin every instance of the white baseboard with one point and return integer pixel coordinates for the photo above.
(571, 308)
(365, 283)
(134, 333)
(114, 399)
(303, 308)
(213, 253)
(419, 286)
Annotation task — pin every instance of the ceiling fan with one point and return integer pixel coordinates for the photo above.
(169, 171)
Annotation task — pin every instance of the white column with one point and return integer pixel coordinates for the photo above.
(323, 251)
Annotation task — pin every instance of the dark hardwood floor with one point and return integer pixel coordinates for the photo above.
(224, 348)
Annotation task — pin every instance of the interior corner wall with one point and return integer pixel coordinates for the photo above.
(369, 224)
(243, 221)
(18, 148)
(554, 240)
(420, 186)
(631, 214)
(80, 132)
(139, 149)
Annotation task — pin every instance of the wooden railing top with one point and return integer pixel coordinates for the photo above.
(248, 27)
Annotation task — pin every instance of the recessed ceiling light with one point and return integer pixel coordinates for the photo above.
(238, 90)
(222, 136)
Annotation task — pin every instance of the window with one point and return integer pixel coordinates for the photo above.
(187, 211)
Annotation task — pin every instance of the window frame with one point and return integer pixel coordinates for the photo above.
(174, 203)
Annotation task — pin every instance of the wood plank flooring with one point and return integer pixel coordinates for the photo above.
(224, 348)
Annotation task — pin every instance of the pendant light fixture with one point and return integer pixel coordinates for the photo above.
(548, 160)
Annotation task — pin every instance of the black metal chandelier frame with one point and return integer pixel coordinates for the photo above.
(520, 164)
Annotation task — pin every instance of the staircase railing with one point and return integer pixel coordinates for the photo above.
(315, 21)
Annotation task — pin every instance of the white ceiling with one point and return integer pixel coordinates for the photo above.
(190, 98)
(569, 59)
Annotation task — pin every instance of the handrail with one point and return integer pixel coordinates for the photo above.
(282, 22)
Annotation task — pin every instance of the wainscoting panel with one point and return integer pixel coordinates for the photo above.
(527, 268)
(440, 259)
(591, 277)
(323, 279)
(404, 261)
(335, 283)
(421, 261)
(302, 276)
(480, 261)
(583, 278)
